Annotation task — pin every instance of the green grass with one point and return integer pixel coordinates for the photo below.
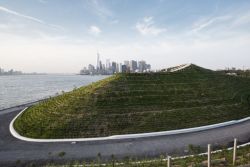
(223, 158)
(136, 103)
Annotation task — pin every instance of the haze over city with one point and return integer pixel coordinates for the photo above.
(63, 36)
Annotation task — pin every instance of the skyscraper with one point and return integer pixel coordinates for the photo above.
(133, 65)
(142, 66)
(98, 61)
(148, 67)
(117, 68)
(126, 63)
(107, 64)
(120, 67)
(124, 68)
(113, 67)
(91, 69)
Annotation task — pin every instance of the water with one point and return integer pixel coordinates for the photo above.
(21, 89)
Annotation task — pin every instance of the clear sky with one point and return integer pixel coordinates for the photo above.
(62, 36)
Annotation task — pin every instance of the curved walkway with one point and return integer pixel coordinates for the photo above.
(12, 149)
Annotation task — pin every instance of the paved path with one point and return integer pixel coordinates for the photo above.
(12, 149)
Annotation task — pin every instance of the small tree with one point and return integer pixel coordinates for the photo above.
(61, 154)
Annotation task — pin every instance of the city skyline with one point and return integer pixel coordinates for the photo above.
(112, 67)
(37, 34)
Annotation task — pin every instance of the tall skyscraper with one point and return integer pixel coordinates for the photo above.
(113, 67)
(133, 65)
(120, 67)
(124, 68)
(100, 65)
(98, 61)
(142, 66)
(107, 64)
(117, 68)
(126, 63)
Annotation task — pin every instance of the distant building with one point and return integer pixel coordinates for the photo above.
(142, 66)
(84, 71)
(98, 62)
(148, 67)
(120, 67)
(100, 66)
(133, 65)
(10, 72)
(109, 68)
(91, 69)
(124, 68)
(107, 64)
(126, 63)
(113, 67)
(117, 68)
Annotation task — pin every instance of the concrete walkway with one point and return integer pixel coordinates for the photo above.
(13, 150)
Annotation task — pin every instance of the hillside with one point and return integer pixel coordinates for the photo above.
(136, 103)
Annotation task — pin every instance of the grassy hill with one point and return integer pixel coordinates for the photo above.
(136, 103)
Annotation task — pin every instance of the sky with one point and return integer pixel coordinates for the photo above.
(61, 36)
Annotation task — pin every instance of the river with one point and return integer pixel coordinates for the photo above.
(20, 89)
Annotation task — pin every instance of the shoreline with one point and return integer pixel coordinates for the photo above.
(35, 100)
(21, 106)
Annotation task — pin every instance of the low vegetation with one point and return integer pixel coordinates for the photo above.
(137, 103)
(223, 158)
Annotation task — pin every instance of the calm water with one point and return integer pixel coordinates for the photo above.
(17, 90)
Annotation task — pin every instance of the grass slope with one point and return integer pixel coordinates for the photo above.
(136, 103)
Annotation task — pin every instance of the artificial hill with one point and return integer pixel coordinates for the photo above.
(136, 103)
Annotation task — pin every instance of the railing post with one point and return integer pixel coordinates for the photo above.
(235, 151)
(209, 155)
(169, 161)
